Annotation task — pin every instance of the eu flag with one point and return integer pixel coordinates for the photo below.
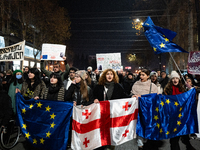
(167, 116)
(44, 123)
(160, 39)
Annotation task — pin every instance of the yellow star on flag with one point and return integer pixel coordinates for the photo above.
(166, 39)
(180, 108)
(156, 117)
(162, 45)
(31, 106)
(39, 105)
(24, 110)
(158, 125)
(180, 115)
(24, 126)
(167, 133)
(176, 104)
(42, 141)
(48, 109)
(27, 135)
(167, 101)
(162, 103)
(52, 116)
(154, 49)
(52, 125)
(179, 123)
(157, 109)
(48, 134)
(34, 141)
(161, 131)
(175, 129)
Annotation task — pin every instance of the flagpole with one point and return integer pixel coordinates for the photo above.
(177, 66)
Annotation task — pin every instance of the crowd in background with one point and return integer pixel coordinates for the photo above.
(85, 87)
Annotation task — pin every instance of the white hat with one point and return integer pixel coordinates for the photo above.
(154, 73)
(89, 68)
(174, 74)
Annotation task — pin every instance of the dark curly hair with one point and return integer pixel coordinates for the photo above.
(37, 79)
(57, 76)
(168, 87)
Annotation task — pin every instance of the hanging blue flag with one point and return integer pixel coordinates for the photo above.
(44, 123)
(160, 39)
(167, 116)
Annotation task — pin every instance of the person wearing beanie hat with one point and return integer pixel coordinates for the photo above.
(154, 79)
(92, 74)
(78, 91)
(175, 87)
(128, 83)
(16, 82)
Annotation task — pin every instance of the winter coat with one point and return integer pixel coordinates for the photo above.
(6, 108)
(39, 90)
(127, 85)
(118, 92)
(54, 93)
(142, 88)
(74, 94)
(12, 94)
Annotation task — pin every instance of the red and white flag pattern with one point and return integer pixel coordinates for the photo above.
(106, 123)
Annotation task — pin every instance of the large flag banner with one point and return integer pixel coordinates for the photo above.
(160, 39)
(194, 62)
(44, 123)
(108, 61)
(106, 123)
(13, 52)
(167, 116)
(53, 51)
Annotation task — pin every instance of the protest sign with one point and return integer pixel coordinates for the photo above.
(194, 62)
(13, 52)
(53, 51)
(109, 60)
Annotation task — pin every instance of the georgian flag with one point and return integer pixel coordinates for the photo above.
(106, 123)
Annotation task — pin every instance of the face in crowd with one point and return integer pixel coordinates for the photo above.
(175, 81)
(26, 70)
(163, 75)
(71, 74)
(31, 75)
(143, 76)
(77, 78)
(189, 81)
(56, 68)
(53, 80)
(158, 72)
(130, 77)
(153, 78)
(109, 76)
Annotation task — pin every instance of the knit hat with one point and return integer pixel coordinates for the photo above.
(153, 73)
(130, 73)
(81, 73)
(17, 71)
(89, 68)
(174, 74)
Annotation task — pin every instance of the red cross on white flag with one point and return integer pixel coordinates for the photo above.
(109, 124)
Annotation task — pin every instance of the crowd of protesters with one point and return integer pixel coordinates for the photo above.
(84, 87)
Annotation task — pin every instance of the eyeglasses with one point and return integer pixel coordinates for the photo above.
(72, 72)
(55, 67)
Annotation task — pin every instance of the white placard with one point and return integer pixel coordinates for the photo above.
(53, 51)
(13, 52)
(109, 60)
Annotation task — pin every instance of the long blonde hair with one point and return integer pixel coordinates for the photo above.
(84, 90)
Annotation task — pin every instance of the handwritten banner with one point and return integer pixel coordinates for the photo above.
(109, 60)
(13, 52)
(194, 62)
(53, 51)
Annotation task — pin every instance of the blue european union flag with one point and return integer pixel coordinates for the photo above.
(44, 123)
(167, 116)
(160, 39)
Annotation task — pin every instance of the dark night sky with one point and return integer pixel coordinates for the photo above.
(104, 26)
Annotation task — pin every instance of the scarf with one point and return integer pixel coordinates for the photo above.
(175, 90)
(53, 88)
(110, 87)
